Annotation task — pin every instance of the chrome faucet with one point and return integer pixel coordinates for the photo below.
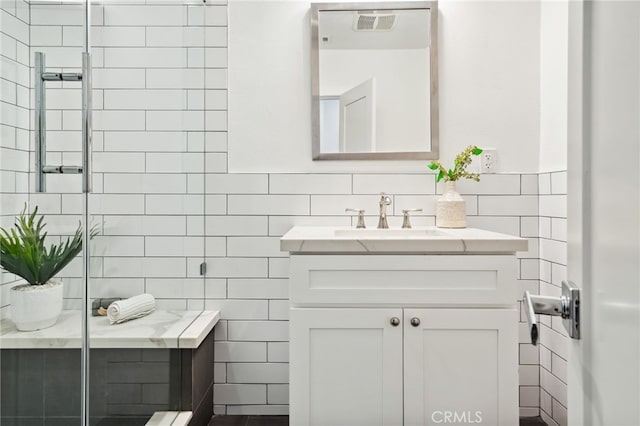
(385, 201)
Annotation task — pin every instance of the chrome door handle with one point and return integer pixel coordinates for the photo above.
(395, 321)
(415, 321)
(566, 306)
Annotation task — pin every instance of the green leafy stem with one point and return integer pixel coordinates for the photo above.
(23, 251)
(459, 170)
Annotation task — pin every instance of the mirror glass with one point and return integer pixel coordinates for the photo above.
(374, 83)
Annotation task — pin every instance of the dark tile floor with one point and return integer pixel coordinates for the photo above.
(284, 421)
(249, 421)
(532, 421)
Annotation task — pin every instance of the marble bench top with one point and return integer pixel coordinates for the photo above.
(160, 329)
(170, 418)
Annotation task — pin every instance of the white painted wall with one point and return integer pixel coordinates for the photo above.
(489, 86)
(554, 34)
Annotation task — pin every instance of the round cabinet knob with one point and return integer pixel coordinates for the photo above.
(395, 321)
(415, 321)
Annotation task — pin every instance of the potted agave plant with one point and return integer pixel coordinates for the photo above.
(450, 207)
(37, 304)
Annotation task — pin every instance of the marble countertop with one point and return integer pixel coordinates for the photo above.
(304, 239)
(160, 329)
(170, 418)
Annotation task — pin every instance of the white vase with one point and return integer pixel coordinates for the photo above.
(34, 307)
(450, 208)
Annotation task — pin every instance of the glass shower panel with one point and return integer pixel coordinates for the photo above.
(148, 202)
(147, 205)
(40, 374)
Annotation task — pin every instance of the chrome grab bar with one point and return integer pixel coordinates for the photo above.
(566, 306)
(42, 168)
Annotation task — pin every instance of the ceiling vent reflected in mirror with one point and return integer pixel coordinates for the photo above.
(366, 21)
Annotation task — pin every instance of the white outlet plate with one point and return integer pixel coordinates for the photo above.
(488, 160)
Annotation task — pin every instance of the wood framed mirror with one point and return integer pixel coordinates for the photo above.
(374, 69)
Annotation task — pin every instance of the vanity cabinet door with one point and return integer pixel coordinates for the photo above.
(460, 366)
(345, 367)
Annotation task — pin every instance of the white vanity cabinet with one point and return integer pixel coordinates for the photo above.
(461, 362)
(395, 339)
(345, 367)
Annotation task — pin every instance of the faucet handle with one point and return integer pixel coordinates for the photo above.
(360, 212)
(406, 224)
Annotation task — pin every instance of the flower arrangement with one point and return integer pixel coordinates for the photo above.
(23, 251)
(459, 170)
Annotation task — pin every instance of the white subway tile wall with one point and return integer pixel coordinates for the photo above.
(14, 125)
(150, 104)
(262, 207)
(553, 270)
(165, 202)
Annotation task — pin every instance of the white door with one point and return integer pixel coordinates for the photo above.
(461, 367)
(358, 118)
(604, 211)
(346, 367)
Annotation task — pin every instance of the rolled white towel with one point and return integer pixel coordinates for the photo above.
(131, 308)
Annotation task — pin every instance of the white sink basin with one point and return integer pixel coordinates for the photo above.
(381, 233)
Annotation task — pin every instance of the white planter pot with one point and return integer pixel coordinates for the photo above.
(34, 307)
(450, 209)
